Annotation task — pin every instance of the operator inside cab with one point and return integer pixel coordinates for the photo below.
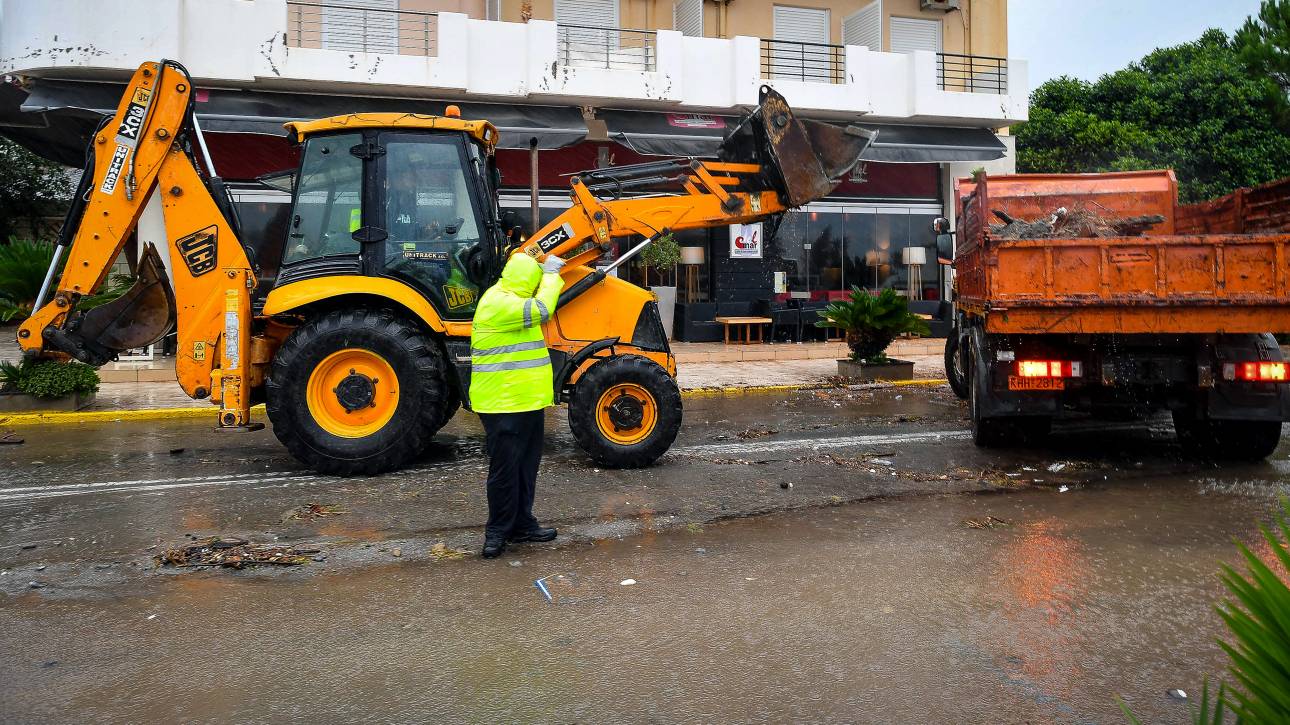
(430, 222)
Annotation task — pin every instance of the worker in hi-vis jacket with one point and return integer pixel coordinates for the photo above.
(510, 386)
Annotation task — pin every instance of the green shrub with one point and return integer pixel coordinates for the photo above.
(872, 322)
(1258, 617)
(23, 265)
(663, 254)
(48, 378)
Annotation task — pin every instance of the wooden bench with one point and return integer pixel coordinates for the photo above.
(747, 323)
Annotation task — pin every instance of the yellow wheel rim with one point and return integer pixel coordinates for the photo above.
(352, 393)
(626, 414)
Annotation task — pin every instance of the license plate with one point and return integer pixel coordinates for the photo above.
(1016, 382)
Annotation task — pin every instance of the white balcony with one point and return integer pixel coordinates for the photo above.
(281, 45)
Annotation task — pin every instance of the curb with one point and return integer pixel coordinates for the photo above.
(145, 414)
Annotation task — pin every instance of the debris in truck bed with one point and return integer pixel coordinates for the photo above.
(1076, 222)
(233, 553)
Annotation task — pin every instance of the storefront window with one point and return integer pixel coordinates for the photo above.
(824, 253)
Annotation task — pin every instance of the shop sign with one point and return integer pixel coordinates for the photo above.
(745, 241)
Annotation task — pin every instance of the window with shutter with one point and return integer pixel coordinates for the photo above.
(800, 48)
(910, 34)
(366, 26)
(580, 42)
(864, 27)
(687, 17)
(597, 13)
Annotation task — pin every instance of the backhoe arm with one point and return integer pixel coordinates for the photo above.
(139, 152)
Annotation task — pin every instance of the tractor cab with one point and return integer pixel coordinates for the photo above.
(404, 196)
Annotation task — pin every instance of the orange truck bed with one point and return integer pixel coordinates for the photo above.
(1161, 283)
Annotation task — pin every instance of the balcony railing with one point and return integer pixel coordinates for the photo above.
(797, 61)
(587, 46)
(972, 73)
(363, 30)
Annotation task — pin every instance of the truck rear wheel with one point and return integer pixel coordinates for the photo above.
(998, 431)
(956, 365)
(625, 411)
(357, 392)
(1229, 440)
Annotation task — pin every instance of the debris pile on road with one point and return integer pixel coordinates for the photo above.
(1076, 222)
(756, 432)
(441, 552)
(864, 461)
(312, 511)
(233, 553)
(989, 522)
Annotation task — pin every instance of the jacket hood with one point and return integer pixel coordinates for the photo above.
(521, 275)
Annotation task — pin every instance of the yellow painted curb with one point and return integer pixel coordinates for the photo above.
(107, 416)
(743, 389)
(100, 416)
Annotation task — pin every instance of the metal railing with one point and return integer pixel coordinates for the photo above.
(587, 46)
(364, 30)
(972, 73)
(798, 61)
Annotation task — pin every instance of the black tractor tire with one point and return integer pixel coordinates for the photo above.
(956, 365)
(587, 411)
(423, 403)
(1227, 440)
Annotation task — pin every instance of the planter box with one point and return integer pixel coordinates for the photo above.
(891, 370)
(23, 403)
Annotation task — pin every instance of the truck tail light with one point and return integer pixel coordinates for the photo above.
(1050, 369)
(1257, 372)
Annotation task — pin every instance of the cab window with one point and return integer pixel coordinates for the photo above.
(328, 206)
(431, 220)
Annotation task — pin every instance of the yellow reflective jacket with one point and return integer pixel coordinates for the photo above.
(510, 371)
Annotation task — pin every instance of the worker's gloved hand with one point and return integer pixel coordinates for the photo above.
(552, 264)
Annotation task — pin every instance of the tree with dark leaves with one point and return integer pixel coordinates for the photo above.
(1196, 108)
(32, 189)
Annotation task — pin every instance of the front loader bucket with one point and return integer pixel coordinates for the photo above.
(138, 318)
(803, 160)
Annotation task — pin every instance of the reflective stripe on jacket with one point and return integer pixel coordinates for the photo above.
(510, 370)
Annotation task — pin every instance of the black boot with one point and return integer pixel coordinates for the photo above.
(536, 534)
(493, 547)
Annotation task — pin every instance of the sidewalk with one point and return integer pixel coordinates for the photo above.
(700, 366)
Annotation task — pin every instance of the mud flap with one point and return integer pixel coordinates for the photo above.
(138, 318)
(803, 160)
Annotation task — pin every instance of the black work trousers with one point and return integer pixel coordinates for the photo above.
(514, 443)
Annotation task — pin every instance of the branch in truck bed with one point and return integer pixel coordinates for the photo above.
(1074, 223)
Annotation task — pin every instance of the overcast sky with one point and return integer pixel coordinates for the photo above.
(1087, 38)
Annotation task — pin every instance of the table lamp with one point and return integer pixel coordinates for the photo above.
(914, 258)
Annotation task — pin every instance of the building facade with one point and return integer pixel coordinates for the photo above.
(579, 84)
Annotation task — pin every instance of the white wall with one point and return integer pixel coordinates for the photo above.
(241, 43)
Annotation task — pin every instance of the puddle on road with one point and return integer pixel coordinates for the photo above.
(895, 611)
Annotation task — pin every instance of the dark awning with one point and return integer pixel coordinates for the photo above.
(263, 112)
(922, 144)
(691, 134)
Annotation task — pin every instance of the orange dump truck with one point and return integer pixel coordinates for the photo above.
(1117, 326)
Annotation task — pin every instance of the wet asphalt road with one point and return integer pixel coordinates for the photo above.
(864, 594)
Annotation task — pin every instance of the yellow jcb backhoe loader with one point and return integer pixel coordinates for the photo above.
(360, 346)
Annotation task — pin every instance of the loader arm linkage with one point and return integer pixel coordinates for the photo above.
(142, 150)
(769, 164)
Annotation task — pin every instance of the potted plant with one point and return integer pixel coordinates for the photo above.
(46, 385)
(871, 322)
(662, 255)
